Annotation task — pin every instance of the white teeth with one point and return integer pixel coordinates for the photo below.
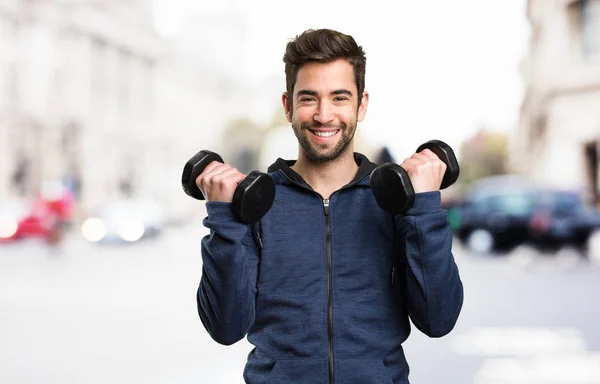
(325, 134)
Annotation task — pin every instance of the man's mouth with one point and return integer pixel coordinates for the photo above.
(325, 133)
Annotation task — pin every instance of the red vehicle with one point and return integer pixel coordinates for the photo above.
(44, 217)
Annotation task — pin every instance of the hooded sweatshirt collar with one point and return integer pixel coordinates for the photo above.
(365, 167)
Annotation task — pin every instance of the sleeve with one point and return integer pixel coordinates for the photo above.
(434, 290)
(226, 296)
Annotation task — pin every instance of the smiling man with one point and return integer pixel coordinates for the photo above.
(324, 114)
(326, 284)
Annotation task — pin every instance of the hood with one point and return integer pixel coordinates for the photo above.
(365, 167)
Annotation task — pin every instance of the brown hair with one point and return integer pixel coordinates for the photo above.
(323, 45)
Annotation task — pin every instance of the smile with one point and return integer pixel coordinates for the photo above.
(325, 133)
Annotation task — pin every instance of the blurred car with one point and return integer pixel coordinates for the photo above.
(124, 221)
(500, 212)
(25, 218)
(495, 213)
(562, 218)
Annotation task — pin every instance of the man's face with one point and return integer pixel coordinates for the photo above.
(323, 109)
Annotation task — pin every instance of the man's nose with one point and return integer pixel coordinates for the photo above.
(324, 113)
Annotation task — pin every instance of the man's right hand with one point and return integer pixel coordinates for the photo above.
(218, 182)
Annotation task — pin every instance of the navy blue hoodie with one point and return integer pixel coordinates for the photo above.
(326, 287)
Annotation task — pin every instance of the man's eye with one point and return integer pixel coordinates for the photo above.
(341, 98)
(306, 99)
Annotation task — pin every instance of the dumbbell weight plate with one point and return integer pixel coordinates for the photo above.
(446, 154)
(392, 188)
(253, 197)
(193, 168)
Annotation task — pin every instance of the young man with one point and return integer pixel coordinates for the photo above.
(326, 292)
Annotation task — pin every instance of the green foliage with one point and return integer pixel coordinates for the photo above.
(485, 154)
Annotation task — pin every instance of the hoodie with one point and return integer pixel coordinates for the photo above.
(327, 289)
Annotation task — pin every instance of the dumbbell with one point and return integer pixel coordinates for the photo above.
(392, 187)
(252, 198)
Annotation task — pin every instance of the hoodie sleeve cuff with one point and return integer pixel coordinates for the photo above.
(221, 220)
(219, 216)
(219, 211)
(426, 203)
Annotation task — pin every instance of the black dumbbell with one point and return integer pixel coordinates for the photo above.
(391, 185)
(253, 197)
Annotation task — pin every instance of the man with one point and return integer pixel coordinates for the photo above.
(325, 289)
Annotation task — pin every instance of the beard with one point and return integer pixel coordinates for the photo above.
(322, 153)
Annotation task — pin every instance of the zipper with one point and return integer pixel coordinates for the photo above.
(257, 236)
(329, 267)
(329, 288)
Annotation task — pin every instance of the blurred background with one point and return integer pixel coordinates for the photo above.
(103, 101)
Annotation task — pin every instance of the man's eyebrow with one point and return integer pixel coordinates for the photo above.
(342, 92)
(307, 92)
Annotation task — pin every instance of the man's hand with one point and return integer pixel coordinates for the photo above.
(426, 171)
(218, 182)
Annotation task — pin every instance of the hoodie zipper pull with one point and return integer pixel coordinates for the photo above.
(326, 206)
(257, 236)
(259, 240)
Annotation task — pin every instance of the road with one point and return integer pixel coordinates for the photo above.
(127, 314)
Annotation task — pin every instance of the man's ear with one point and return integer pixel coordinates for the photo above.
(362, 108)
(287, 106)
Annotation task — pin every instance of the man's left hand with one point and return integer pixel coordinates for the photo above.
(426, 171)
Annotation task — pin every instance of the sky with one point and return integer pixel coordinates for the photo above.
(435, 69)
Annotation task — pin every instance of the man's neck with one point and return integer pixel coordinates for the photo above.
(326, 178)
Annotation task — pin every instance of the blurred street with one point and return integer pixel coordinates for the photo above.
(89, 313)
(103, 104)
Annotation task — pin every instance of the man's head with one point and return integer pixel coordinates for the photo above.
(323, 46)
(325, 98)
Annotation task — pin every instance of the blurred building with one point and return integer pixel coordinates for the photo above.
(558, 141)
(78, 98)
(92, 95)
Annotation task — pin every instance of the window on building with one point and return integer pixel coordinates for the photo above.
(147, 89)
(538, 128)
(13, 84)
(592, 160)
(4, 41)
(9, 74)
(124, 83)
(590, 28)
(98, 73)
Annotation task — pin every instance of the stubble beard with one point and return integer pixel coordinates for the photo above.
(318, 153)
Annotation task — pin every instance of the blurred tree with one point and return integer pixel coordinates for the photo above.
(241, 144)
(278, 119)
(484, 154)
